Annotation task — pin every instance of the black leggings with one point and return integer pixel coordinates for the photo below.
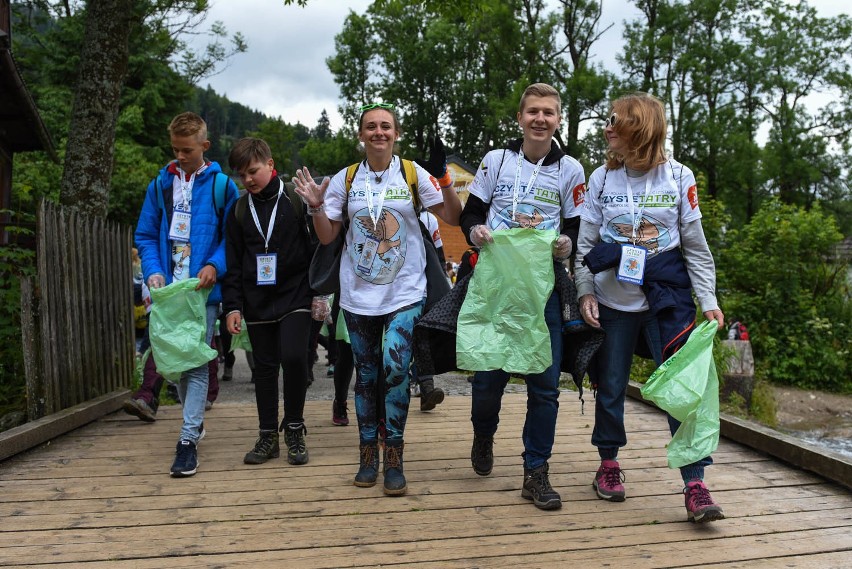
(281, 344)
(344, 361)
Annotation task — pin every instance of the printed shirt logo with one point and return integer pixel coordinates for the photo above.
(435, 183)
(651, 234)
(692, 195)
(390, 232)
(579, 194)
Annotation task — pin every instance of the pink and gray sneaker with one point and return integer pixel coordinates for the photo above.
(700, 507)
(608, 481)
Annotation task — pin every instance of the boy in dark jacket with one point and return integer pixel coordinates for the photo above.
(179, 236)
(269, 249)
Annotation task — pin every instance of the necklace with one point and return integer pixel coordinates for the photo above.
(376, 175)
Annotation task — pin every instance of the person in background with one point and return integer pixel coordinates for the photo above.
(530, 183)
(179, 235)
(382, 277)
(641, 240)
(430, 396)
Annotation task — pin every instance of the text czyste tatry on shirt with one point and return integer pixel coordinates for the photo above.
(394, 276)
(671, 201)
(557, 191)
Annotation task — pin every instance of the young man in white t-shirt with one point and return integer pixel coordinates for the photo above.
(531, 183)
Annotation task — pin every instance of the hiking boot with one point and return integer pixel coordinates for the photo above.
(392, 469)
(330, 371)
(368, 470)
(208, 405)
(700, 507)
(339, 414)
(430, 396)
(265, 447)
(538, 489)
(140, 408)
(294, 437)
(482, 454)
(608, 481)
(228, 373)
(186, 459)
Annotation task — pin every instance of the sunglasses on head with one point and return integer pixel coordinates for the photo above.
(375, 106)
(610, 122)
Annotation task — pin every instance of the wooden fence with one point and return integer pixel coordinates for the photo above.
(77, 317)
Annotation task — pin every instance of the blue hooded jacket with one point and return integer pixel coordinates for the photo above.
(207, 234)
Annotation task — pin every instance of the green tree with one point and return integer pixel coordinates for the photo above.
(116, 54)
(801, 55)
(781, 275)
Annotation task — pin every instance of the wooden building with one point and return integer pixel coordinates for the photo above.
(21, 127)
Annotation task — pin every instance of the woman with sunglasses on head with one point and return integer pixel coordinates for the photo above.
(640, 234)
(382, 275)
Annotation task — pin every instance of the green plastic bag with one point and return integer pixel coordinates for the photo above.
(501, 323)
(241, 341)
(687, 387)
(178, 328)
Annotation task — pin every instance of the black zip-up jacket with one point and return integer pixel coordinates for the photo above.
(290, 240)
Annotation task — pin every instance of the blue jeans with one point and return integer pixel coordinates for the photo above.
(542, 397)
(193, 389)
(613, 360)
(384, 341)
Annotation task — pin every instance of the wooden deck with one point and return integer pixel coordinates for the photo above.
(101, 497)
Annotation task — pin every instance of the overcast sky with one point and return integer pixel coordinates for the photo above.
(283, 73)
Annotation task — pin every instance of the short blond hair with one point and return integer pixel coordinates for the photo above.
(641, 123)
(188, 124)
(541, 90)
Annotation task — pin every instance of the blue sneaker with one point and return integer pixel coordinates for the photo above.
(186, 460)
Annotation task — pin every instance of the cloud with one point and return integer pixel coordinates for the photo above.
(283, 73)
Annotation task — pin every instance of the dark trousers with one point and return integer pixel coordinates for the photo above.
(281, 344)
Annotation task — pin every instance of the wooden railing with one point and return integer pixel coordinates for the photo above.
(77, 317)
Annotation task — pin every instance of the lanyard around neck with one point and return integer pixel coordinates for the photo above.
(268, 235)
(380, 199)
(517, 185)
(637, 219)
(186, 186)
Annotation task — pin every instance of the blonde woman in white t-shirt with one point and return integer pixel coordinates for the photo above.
(382, 276)
(640, 232)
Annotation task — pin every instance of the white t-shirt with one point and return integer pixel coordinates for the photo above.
(671, 201)
(182, 201)
(382, 269)
(431, 224)
(557, 191)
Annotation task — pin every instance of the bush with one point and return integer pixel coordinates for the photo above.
(780, 276)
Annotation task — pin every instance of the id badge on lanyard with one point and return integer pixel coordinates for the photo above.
(267, 266)
(368, 255)
(631, 267)
(181, 222)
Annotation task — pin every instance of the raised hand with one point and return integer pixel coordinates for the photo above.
(307, 188)
(436, 165)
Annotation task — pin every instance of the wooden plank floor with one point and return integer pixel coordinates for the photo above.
(101, 497)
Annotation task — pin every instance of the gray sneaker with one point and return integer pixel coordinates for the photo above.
(139, 408)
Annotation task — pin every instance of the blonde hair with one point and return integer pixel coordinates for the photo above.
(188, 124)
(641, 123)
(541, 90)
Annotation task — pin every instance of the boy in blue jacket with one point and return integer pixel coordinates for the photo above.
(180, 235)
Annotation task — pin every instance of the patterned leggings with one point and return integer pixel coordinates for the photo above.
(385, 340)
